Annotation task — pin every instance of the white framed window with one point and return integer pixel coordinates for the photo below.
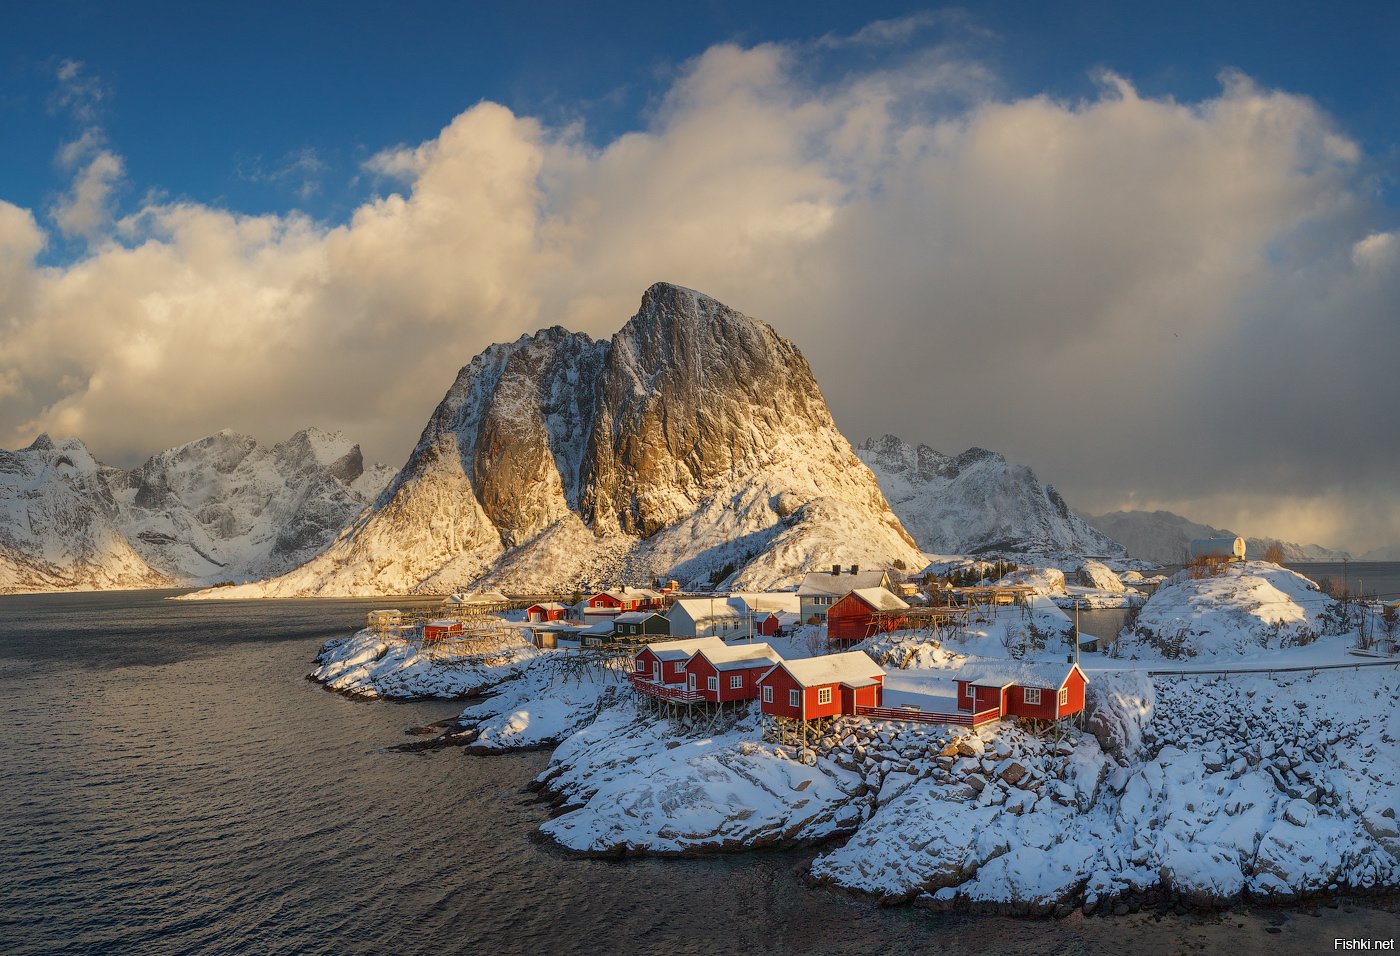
(1064, 696)
(767, 694)
(794, 699)
(712, 683)
(680, 668)
(1030, 695)
(824, 695)
(641, 665)
(736, 681)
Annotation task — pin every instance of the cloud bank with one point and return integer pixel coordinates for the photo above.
(1155, 303)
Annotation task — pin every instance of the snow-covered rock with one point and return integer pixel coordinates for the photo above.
(369, 666)
(1239, 609)
(1097, 575)
(695, 444)
(977, 503)
(1046, 581)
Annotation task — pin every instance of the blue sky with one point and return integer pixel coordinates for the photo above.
(271, 106)
(1155, 255)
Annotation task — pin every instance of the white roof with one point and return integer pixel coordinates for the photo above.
(762, 602)
(1050, 675)
(551, 606)
(823, 583)
(600, 628)
(881, 599)
(635, 617)
(683, 649)
(739, 656)
(702, 609)
(853, 668)
(443, 622)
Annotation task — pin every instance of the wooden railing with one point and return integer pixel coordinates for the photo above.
(962, 718)
(679, 692)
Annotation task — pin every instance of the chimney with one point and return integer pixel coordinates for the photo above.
(855, 569)
(836, 570)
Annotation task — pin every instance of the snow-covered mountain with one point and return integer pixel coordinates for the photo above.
(1390, 553)
(695, 443)
(978, 503)
(1165, 538)
(59, 527)
(225, 508)
(218, 509)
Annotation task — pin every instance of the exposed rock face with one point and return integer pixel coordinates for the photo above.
(59, 524)
(1165, 538)
(977, 503)
(226, 508)
(695, 441)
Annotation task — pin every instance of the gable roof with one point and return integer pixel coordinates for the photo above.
(1047, 675)
(881, 599)
(708, 609)
(824, 583)
(763, 602)
(739, 656)
(682, 650)
(637, 617)
(852, 668)
(548, 606)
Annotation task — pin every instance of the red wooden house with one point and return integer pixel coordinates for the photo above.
(441, 630)
(548, 611)
(723, 674)
(1038, 690)
(665, 661)
(814, 687)
(853, 617)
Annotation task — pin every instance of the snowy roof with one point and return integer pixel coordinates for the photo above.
(443, 622)
(602, 628)
(762, 602)
(683, 649)
(739, 656)
(551, 606)
(881, 599)
(825, 583)
(853, 668)
(699, 609)
(635, 617)
(1050, 675)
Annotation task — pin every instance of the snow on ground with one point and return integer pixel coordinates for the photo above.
(1247, 607)
(547, 699)
(637, 783)
(369, 666)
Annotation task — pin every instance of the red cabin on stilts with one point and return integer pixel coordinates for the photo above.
(816, 687)
(852, 618)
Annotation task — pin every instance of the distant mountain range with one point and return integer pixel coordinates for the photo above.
(223, 508)
(978, 503)
(1165, 538)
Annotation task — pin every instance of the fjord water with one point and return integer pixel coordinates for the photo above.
(170, 783)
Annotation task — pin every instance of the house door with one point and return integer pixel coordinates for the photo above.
(656, 671)
(691, 683)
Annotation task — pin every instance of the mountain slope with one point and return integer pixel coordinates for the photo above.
(977, 503)
(1165, 538)
(58, 524)
(694, 443)
(226, 508)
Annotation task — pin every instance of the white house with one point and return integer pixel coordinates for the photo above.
(721, 617)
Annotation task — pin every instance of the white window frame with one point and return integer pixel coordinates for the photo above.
(736, 681)
(794, 698)
(768, 693)
(641, 666)
(1030, 695)
(1064, 696)
(712, 682)
(823, 695)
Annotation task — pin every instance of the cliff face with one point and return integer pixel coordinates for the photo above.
(977, 502)
(694, 442)
(59, 526)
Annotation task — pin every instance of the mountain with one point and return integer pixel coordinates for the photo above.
(1165, 538)
(1391, 553)
(59, 524)
(694, 443)
(218, 509)
(978, 503)
(225, 508)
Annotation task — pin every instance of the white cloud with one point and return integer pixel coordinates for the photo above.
(1127, 292)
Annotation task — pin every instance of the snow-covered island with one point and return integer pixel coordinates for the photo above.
(1230, 748)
